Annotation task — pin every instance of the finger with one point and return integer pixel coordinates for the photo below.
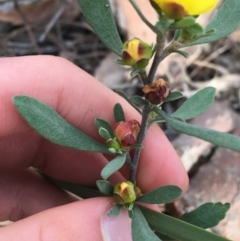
(159, 164)
(77, 96)
(73, 93)
(25, 192)
(84, 220)
(29, 149)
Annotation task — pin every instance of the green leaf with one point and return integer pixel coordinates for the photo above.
(136, 146)
(114, 151)
(47, 122)
(138, 100)
(175, 95)
(104, 133)
(196, 105)
(105, 187)
(195, 29)
(156, 120)
(118, 113)
(115, 211)
(183, 53)
(163, 25)
(134, 72)
(159, 222)
(140, 229)
(161, 195)
(177, 34)
(104, 124)
(99, 15)
(164, 237)
(80, 191)
(130, 208)
(177, 229)
(225, 22)
(184, 22)
(130, 213)
(122, 94)
(210, 32)
(113, 166)
(216, 137)
(207, 215)
(119, 61)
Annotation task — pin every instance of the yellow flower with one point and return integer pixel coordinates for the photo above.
(136, 53)
(177, 9)
(133, 47)
(125, 193)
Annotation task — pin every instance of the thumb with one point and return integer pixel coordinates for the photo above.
(83, 220)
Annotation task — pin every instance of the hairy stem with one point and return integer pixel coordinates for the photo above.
(158, 57)
(160, 54)
(141, 136)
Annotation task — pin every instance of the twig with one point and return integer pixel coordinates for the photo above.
(158, 57)
(53, 21)
(141, 136)
(210, 57)
(28, 28)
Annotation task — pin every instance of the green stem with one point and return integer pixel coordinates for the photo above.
(152, 27)
(141, 136)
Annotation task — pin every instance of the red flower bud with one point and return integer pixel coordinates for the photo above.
(157, 92)
(126, 133)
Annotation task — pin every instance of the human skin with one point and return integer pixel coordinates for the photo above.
(43, 211)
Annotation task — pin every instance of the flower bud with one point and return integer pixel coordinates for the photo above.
(126, 133)
(157, 92)
(114, 144)
(136, 53)
(125, 193)
(178, 9)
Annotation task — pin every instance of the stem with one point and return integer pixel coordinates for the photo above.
(147, 79)
(159, 56)
(128, 159)
(141, 136)
(152, 27)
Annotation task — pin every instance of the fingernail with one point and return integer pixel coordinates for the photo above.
(117, 228)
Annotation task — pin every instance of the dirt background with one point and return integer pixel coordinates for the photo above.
(57, 27)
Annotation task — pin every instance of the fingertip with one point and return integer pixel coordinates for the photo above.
(81, 220)
(159, 163)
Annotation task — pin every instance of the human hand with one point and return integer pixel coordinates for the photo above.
(43, 211)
